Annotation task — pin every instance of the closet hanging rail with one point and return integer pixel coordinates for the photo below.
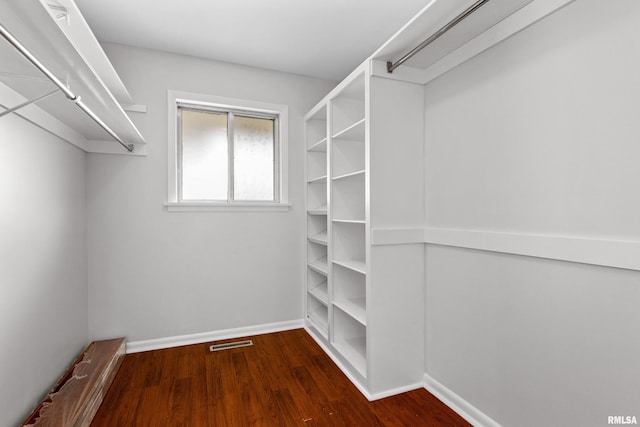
(68, 93)
(393, 65)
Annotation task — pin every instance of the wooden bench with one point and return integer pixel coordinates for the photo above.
(76, 397)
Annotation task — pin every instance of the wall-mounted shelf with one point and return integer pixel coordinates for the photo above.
(320, 238)
(69, 50)
(321, 293)
(488, 25)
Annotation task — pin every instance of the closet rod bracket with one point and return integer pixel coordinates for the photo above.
(28, 102)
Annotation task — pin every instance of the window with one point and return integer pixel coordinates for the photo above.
(226, 154)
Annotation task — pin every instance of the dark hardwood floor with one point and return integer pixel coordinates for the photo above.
(284, 379)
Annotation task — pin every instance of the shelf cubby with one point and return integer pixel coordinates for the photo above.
(319, 265)
(318, 315)
(350, 340)
(320, 293)
(353, 132)
(349, 242)
(348, 107)
(316, 251)
(316, 225)
(348, 284)
(316, 165)
(348, 198)
(316, 131)
(347, 157)
(319, 238)
(350, 292)
(317, 197)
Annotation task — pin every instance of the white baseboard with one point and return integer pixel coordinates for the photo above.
(463, 408)
(168, 342)
(394, 391)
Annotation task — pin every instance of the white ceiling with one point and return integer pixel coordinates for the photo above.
(319, 38)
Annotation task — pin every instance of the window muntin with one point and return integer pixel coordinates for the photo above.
(227, 155)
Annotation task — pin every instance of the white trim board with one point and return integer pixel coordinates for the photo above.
(463, 408)
(397, 236)
(585, 250)
(176, 341)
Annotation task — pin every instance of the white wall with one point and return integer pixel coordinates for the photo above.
(538, 135)
(43, 288)
(155, 274)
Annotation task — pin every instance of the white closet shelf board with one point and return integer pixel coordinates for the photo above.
(354, 307)
(319, 320)
(352, 264)
(320, 266)
(320, 293)
(322, 210)
(320, 238)
(319, 146)
(493, 22)
(349, 221)
(317, 180)
(69, 50)
(354, 132)
(354, 174)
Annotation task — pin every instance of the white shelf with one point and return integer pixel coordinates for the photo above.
(320, 146)
(320, 266)
(80, 62)
(320, 238)
(355, 265)
(320, 293)
(318, 180)
(354, 350)
(322, 210)
(354, 307)
(355, 131)
(319, 320)
(349, 221)
(355, 174)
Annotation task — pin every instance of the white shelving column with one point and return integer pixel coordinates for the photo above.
(365, 302)
(349, 223)
(317, 280)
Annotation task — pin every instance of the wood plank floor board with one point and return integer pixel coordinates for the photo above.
(284, 379)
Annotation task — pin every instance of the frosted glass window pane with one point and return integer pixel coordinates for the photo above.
(205, 162)
(253, 151)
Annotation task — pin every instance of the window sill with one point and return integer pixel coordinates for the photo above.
(227, 207)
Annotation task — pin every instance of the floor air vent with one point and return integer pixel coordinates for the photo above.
(226, 346)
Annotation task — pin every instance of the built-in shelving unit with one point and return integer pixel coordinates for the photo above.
(366, 310)
(365, 177)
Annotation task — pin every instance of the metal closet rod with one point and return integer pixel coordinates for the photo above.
(68, 93)
(393, 65)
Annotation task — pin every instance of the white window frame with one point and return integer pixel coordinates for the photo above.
(175, 98)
